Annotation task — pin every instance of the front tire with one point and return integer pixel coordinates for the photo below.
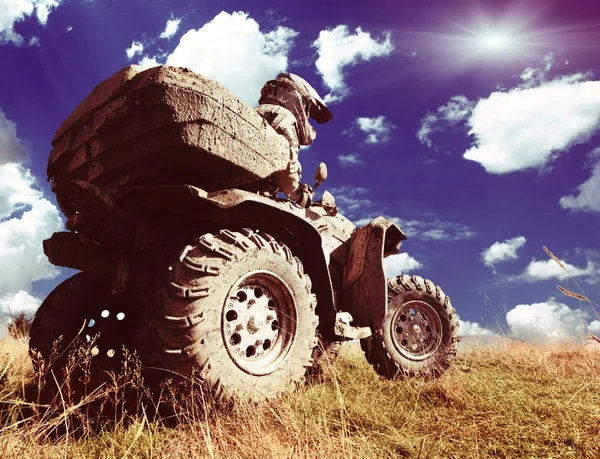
(239, 312)
(419, 334)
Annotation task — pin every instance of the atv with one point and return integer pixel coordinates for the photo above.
(186, 258)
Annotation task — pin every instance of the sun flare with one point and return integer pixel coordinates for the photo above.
(496, 41)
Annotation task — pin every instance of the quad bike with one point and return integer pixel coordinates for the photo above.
(188, 259)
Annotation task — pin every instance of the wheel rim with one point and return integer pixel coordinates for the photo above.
(416, 330)
(259, 322)
(108, 330)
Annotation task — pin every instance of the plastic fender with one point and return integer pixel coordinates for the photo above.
(283, 220)
(365, 285)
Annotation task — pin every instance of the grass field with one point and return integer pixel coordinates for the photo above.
(510, 402)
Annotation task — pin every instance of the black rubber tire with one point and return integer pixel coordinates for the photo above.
(184, 332)
(66, 314)
(324, 357)
(383, 351)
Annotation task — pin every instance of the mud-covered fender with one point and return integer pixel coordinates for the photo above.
(282, 219)
(365, 285)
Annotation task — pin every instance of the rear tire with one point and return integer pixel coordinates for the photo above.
(324, 357)
(418, 336)
(75, 312)
(239, 313)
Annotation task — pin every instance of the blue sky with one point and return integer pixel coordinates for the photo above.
(472, 124)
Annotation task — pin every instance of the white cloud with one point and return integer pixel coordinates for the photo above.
(43, 9)
(11, 147)
(148, 62)
(467, 328)
(502, 251)
(540, 270)
(528, 74)
(377, 129)
(548, 60)
(232, 50)
(170, 28)
(550, 322)
(400, 263)
(588, 197)
(351, 200)
(446, 117)
(438, 230)
(13, 304)
(26, 219)
(135, 48)
(535, 76)
(594, 327)
(16, 190)
(435, 230)
(14, 11)
(351, 159)
(527, 128)
(338, 48)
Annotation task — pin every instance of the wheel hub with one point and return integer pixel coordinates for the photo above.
(417, 330)
(108, 331)
(259, 322)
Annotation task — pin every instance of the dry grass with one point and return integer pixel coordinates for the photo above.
(520, 402)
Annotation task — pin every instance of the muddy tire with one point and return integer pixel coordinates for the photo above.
(238, 313)
(419, 334)
(79, 311)
(324, 356)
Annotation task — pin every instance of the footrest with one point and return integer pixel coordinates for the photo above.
(343, 329)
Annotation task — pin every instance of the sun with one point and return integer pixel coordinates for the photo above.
(489, 39)
(495, 41)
